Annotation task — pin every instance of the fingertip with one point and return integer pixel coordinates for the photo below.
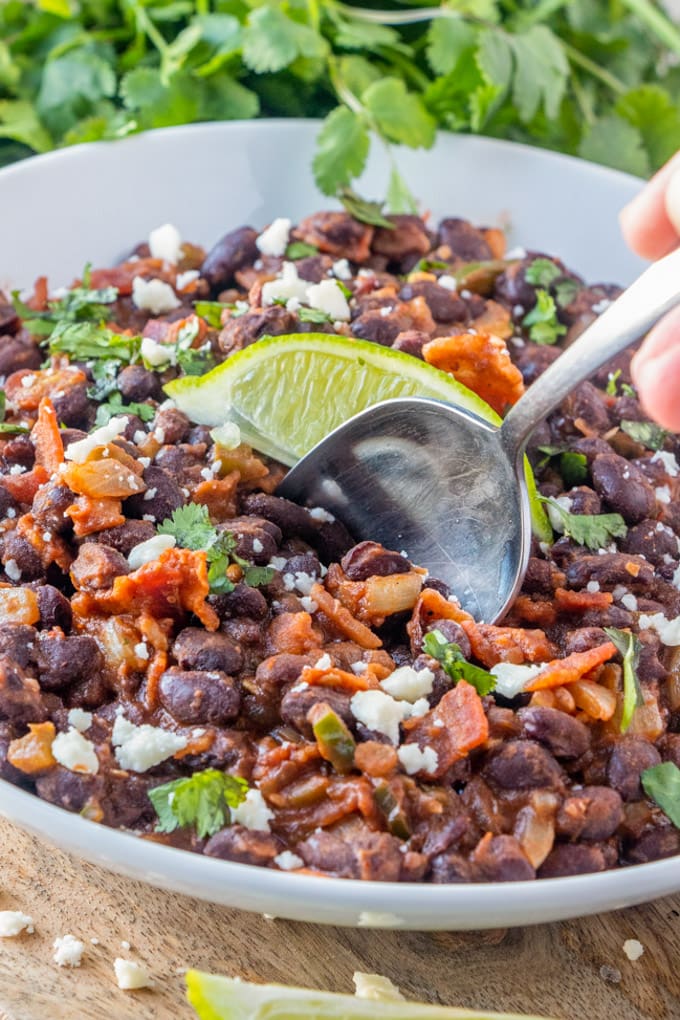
(657, 381)
(646, 223)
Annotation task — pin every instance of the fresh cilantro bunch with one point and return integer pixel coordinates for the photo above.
(202, 801)
(454, 663)
(586, 77)
(191, 528)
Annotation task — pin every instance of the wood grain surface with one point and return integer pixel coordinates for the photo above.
(575, 970)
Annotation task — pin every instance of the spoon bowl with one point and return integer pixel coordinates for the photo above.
(447, 488)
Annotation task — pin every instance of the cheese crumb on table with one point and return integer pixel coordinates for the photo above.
(13, 922)
(68, 951)
(131, 975)
(633, 949)
(376, 987)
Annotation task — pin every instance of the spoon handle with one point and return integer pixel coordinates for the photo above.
(655, 292)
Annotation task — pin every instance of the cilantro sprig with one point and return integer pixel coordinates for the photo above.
(454, 663)
(592, 530)
(629, 646)
(80, 304)
(542, 272)
(647, 433)
(201, 801)
(114, 405)
(191, 527)
(542, 322)
(661, 783)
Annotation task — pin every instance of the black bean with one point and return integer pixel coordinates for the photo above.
(563, 735)
(74, 408)
(298, 700)
(587, 403)
(71, 790)
(370, 559)
(243, 601)
(97, 566)
(445, 305)
(124, 537)
(246, 846)
(593, 812)
(573, 859)
(162, 496)
(49, 508)
(55, 608)
(629, 758)
(194, 697)
(653, 540)
(18, 352)
(411, 341)
(197, 649)
(623, 486)
(18, 642)
(173, 424)
(257, 539)
(234, 250)
(19, 450)
(20, 698)
(464, 240)
(244, 330)
(449, 868)
(26, 559)
(522, 765)
(501, 859)
(138, 383)
(654, 845)
(67, 660)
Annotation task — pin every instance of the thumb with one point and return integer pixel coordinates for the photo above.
(673, 199)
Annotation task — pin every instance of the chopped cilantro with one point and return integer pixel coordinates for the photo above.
(6, 428)
(202, 801)
(542, 272)
(629, 647)
(592, 530)
(572, 466)
(661, 783)
(363, 210)
(645, 432)
(300, 250)
(211, 311)
(86, 341)
(613, 383)
(565, 291)
(429, 266)
(80, 304)
(312, 315)
(454, 663)
(114, 405)
(191, 527)
(542, 321)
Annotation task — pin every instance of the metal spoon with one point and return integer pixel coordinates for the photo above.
(446, 487)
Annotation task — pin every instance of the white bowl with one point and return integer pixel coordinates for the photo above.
(92, 203)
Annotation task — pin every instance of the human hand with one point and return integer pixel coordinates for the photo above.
(651, 227)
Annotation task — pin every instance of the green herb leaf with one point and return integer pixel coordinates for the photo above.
(645, 432)
(541, 71)
(312, 315)
(542, 272)
(542, 322)
(615, 142)
(190, 526)
(399, 196)
(454, 663)
(300, 250)
(573, 468)
(400, 115)
(342, 147)
(592, 530)
(661, 783)
(201, 801)
(256, 576)
(565, 291)
(211, 311)
(85, 341)
(115, 405)
(629, 647)
(430, 266)
(364, 210)
(447, 40)
(612, 383)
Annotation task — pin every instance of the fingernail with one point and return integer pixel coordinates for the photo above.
(673, 200)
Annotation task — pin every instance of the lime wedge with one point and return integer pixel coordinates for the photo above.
(287, 392)
(220, 998)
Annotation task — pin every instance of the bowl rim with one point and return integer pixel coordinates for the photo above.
(401, 905)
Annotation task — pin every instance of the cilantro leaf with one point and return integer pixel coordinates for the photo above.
(211, 311)
(573, 468)
(401, 116)
(85, 341)
(629, 647)
(650, 110)
(645, 432)
(300, 250)
(312, 315)
(454, 663)
(190, 526)
(541, 71)
(565, 291)
(661, 783)
(592, 530)
(399, 196)
(615, 142)
(542, 272)
(158, 103)
(201, 801)
(542, 322)
(364, 210)
(115, 405)
(341, 150)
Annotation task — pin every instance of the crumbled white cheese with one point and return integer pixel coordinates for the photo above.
(154, 296)
(328, 297)
(79, 719)
(629, 602)
(17, 469)
(157, 355)
(165, 243)
(418, 708)
(277, 562)
(139, 437)
(125, 944)
(408, 684)
(601, 306)
(274, 240)
(131, 975)
(668, 630)
(511, 679)
(593, 586)
(341, 269)
(80, 450)
(385, 311)
(287, 285)
(159, 435)
(676, 579)
(633, 949)
(253, 812)
(516, 253)
(308, 604)
(448, 282)
(318, 513)
(375, 987)
(13, 922)
(184, 279)
(75, 752)
(324, 662)
(554, 514)
(304, 582)
(145, 552)
(663, 494)
(13, 570)
(68, 951)
(669, 462)
(139, 748)
(359, 667)
(518, 310)
(413, 759)
(288, 861)
(379, 712)
(257, 546)
(227, 436)
(141, 650)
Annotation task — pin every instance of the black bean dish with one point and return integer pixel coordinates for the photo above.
(186, 655)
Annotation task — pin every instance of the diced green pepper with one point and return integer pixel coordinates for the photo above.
(334, 740)
(397, 821)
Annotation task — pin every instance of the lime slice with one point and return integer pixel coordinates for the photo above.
(220, 998)
(287, 392)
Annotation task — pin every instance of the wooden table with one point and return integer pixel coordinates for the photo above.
(573, 971)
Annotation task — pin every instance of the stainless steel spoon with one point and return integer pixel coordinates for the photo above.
(446, 487)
